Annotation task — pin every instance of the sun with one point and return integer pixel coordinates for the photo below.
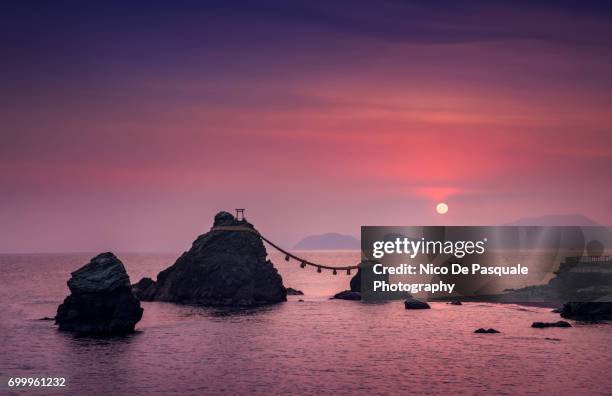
(442, 208)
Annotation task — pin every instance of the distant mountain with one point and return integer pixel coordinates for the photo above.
(329, 241)
(555, 220)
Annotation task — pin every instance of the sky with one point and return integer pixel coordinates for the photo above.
(126, 127)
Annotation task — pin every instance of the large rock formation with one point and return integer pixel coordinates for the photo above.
(101, 299)
(224, 267)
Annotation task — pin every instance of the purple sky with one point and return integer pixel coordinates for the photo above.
(129, 127)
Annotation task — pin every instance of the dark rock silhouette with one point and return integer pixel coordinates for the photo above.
(415, 304)
(543, 325)
(294, 292)
(587, 311)
(455, 302)
(356, 281)
(101, 299)
(348, 295)
(365, 276)
(144, 289)
(224, 267)
(486, 331)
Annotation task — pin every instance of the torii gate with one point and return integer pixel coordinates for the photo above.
(288, 256)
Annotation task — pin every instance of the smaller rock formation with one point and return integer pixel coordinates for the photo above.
(543, 325)
(356, 281)
(415, 304)
(144, 289)
(101, 299)
(348, 295)
(365, 276)
(294, 292)
(455, 302)
(486, 331)
(587, 311)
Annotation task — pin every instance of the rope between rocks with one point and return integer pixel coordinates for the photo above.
(287, 254)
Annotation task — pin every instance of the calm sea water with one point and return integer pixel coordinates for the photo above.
(311, 347)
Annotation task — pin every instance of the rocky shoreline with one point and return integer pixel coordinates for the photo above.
(228, 267)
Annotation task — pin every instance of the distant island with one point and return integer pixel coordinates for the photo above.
(336, 241)
(555, 220)
(328, 241)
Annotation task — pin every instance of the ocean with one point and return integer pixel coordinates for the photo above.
(318, 346)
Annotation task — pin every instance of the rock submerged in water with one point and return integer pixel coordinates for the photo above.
(587, 311)
(411, 303)
(101, 300)
(486, 331)
(543, 325)
(224, 267)
(347, 295)
(294, 292)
